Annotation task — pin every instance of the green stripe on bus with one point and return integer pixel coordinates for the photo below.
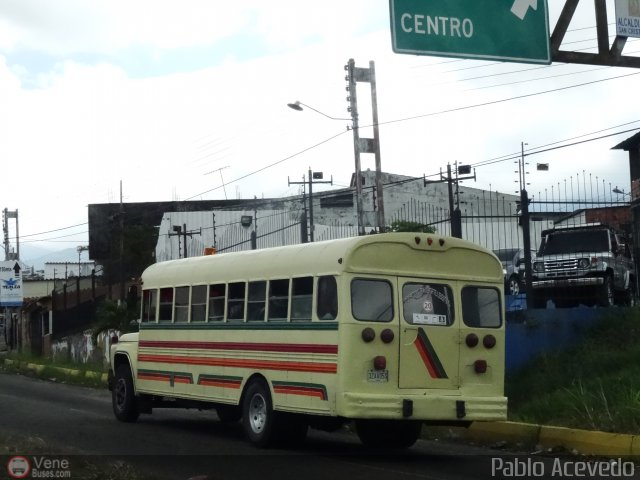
(239, 326)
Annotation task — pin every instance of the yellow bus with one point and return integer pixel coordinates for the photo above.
(390, 331)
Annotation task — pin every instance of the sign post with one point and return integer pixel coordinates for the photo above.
(10, 284)
(506, 30)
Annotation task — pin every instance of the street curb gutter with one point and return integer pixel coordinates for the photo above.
(70, 372)
(585, 442)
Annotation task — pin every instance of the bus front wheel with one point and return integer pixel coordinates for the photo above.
(258, 416)
(388, 433)
(123, 397)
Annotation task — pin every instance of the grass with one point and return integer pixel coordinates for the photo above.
(88, 375)
(595, 385)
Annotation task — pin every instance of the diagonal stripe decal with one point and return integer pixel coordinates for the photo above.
(429, 355)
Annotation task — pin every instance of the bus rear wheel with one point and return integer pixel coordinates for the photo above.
(388, 433)
(258, 416)
(123, 397)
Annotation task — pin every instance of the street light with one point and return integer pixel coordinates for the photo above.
(297, 105)
(620, 192)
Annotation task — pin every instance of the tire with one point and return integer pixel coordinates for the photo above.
(258, 417)
(123, 397)
(388, 433)
(606, 294)
(229, 413)
(513, 285)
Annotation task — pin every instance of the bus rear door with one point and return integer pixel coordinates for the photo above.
(429, 338)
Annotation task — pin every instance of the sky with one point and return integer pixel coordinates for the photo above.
(157, 100)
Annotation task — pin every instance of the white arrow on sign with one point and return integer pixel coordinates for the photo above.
(521, 7)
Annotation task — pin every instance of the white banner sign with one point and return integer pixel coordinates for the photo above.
(10, 284)
(628, 18)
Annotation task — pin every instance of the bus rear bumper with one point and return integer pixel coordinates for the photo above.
(422, 407)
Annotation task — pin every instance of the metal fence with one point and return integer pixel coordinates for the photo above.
(490, 219)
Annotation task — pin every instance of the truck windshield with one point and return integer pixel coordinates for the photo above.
(576, 241)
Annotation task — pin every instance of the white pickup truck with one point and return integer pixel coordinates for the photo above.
(589, 264)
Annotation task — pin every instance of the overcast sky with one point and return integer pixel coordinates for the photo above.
(173, 98)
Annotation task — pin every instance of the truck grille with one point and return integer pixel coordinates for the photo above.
(561, 265)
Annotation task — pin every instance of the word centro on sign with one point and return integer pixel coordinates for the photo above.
(440, 26)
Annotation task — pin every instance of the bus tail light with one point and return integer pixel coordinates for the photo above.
(387, 335)
(368, 334)
(489, 341)
(480, 366)
(471, 340)
(380, 362)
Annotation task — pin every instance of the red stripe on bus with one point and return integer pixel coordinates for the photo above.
(220, 383)
(309, 392)
(253, 347)
(241, 363)
(425, 358)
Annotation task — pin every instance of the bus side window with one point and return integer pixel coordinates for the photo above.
(198, 303)
(301, 299)
(217, 294)
(481, 307)
(327, 301)
(235, 301)
(256, 301)
(166, 304)
(278, 300)
(181, 309)
(149, 305)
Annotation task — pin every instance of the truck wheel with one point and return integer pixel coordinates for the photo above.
(513, 287)
(258, 417)
(123, 397)
(606, 296)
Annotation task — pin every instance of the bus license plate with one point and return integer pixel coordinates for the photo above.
(378, 376)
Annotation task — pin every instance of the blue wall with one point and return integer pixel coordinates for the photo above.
(532, 332)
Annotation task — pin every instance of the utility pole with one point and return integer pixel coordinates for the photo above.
(365, 145)
(314, 177)
(454, 209)
(526, 230)
(181, 230)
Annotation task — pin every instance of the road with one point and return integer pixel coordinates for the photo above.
(65, 421)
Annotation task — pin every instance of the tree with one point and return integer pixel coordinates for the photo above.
(407, 226)
(114, 316)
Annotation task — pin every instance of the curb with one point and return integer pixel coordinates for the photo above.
(585, 442)
(69, 372)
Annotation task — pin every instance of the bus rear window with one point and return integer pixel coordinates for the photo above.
(427, 304)
(371, 300)
(481, 307)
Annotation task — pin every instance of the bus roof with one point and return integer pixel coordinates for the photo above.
(379, 253)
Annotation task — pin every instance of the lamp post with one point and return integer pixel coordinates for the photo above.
(298, 106)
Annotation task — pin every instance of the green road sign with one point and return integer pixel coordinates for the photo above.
(507, 30)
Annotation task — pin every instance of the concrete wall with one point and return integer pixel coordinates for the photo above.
(80, 348)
